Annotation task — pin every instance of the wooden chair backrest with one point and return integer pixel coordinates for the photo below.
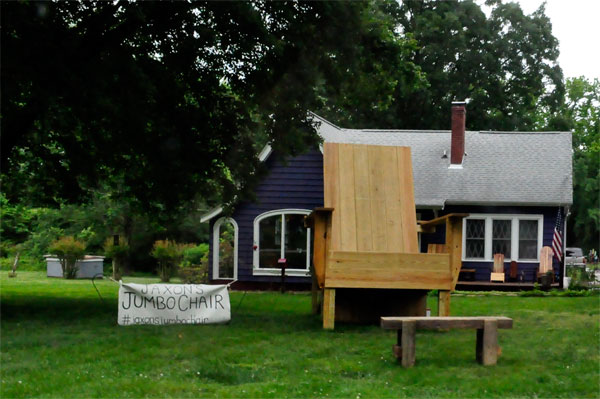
(371, 190)
(514, 269)
(546, 255)
(436, 249)
(498, 263)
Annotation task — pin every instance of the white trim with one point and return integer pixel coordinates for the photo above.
(514, 245)
(211, 214)
(455, 166)
(215, 248)
(261, 271)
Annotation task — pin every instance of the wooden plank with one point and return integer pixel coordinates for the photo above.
(407, 201)
(331, 187)
(489, 344)
(409, 331)
(444, 323)
(363, 200)
(393, 219)
(387, 270)
(443, 303)
(329, 309)
(377, 194)
(347, 208)
(497, 277)
(390, 260)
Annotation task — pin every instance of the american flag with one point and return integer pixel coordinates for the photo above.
(557, 240)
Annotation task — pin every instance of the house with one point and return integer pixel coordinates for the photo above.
(513, 185)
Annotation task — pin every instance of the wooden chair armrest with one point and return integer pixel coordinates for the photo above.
(428, 226)
(309, 220)
(441, 219)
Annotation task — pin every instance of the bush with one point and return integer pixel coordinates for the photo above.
(118, 254)
(195, 254)
(68, 250)
(194, 268)
(168, 254)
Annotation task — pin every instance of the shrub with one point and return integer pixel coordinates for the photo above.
(195, 254)
(194, 268)
(168, 254)
(68, 250)
(118, 254)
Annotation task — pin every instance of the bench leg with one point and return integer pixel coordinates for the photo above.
(397, 349)
(486, 350)
(329, 309)
(443, 303)
(409, 329)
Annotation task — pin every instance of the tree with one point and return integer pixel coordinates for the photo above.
(581, 110)
(504, 64)
(171, 101)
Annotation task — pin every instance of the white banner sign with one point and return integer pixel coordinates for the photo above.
(163, 304)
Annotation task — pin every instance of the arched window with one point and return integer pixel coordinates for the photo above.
(225, 256)
(281, 234)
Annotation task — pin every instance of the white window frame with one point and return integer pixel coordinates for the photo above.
(514, 237)
(217, 242)
(258, 271)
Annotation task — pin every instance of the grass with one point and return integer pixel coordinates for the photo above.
(60, 340)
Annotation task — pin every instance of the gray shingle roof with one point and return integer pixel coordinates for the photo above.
(499, 168)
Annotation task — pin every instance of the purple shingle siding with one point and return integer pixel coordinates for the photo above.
(297, 184)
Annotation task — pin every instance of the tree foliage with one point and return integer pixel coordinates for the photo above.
(168, 101)
(582, 112)
(504, 64)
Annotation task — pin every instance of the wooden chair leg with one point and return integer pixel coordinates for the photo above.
(409, 329)
(486, 350)
(329, 309)
(444, 303)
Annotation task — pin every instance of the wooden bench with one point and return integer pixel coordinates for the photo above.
(486, 349)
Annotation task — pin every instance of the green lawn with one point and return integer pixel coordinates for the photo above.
(60, 340)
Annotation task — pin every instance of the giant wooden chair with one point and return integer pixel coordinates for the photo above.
(365, 236)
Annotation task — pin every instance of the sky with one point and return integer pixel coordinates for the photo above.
(576, 25)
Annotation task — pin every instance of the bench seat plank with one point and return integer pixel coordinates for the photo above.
(444, 323)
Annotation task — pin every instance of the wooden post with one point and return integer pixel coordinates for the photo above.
(454, 246)
(329, 309)
(409, 329)
(486, 350)
(314, 291)
(443, 303)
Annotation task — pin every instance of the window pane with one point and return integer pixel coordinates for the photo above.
(475, 238)
(269, 241)
(295, 241)
(501, 237)
(528, 233)
(226, 248)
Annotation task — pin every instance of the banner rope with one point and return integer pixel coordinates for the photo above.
(120, 282)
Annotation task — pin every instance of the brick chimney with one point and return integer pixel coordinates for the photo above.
(457, 143)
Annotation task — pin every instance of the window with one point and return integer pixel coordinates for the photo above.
(475, 239)
(501, 237)
(518, 237)
(281, 234)
(224, 251)
(528, 232)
